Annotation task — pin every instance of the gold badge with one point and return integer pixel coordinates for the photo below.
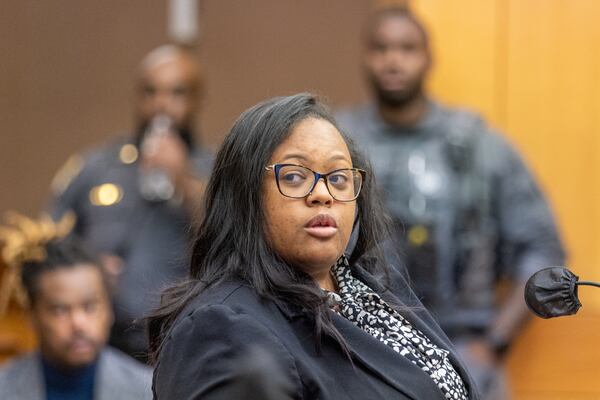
(106, 194)
(418, 235)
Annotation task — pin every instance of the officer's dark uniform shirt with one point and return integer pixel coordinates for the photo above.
(102, 188)
(467, 209)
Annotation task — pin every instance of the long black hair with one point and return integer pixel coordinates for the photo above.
(230, 241)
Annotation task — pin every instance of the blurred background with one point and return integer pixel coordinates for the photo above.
(532, 68)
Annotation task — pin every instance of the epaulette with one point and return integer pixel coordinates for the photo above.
(65, 175)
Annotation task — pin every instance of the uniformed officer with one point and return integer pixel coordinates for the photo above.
(134, 198)
(468, 211)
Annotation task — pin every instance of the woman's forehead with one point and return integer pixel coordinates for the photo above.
(313, 139)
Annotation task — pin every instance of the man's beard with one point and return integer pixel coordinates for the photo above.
(185, 133)
(396, 98)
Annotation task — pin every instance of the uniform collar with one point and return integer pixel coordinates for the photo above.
(425, 125)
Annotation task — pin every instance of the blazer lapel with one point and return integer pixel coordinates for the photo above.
(390, 366)
(35, 384)
(437, 337)
(423, 321)
(109, 384)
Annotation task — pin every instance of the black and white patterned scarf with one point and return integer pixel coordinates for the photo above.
(364, 308)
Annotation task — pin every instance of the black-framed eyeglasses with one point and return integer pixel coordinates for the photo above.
(297, 181)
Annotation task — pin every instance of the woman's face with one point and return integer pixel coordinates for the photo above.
(312, 232)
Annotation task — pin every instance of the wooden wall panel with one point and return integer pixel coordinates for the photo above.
(557, 359)
(464, 42)
(552, 113)
(553, 108)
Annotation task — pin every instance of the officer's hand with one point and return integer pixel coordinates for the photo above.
(113, 266)
(482, 353)
(166, 152)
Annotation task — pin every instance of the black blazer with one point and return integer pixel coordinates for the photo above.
(223, 323)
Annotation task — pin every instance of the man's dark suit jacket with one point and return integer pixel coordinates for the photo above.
(202, 352)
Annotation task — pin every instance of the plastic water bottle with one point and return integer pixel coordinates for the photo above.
(154, 183)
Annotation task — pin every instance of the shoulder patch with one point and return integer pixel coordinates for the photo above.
(65, 175)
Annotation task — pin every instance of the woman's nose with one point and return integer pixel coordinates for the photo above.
(320, 194)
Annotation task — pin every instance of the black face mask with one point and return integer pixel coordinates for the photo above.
(552, 292)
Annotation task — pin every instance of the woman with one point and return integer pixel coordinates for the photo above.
(268, 272)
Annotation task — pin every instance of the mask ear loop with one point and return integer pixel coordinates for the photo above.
(353, 236)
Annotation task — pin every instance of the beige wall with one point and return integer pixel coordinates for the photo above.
(67, 69)
(65, 83)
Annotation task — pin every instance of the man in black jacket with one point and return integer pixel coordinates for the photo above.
(468, 211)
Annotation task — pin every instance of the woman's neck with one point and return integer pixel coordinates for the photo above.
(325, 280)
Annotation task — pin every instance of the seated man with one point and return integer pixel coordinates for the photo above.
(71, 314)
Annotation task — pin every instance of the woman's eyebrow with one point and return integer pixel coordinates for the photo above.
(302, 157)
(295, 155)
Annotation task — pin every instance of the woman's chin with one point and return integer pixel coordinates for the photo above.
(322, 259)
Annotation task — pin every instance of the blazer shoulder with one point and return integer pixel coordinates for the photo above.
(226, 305)
(235, 295)
(116, 360)
(21, 378)
(122, 377)
(212, 338)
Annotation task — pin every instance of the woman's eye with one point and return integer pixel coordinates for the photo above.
(338, 179)
(293, 178)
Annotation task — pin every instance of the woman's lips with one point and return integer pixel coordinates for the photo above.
(321, 232)
(321, 226)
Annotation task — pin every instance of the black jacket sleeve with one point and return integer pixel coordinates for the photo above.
(207, 355)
